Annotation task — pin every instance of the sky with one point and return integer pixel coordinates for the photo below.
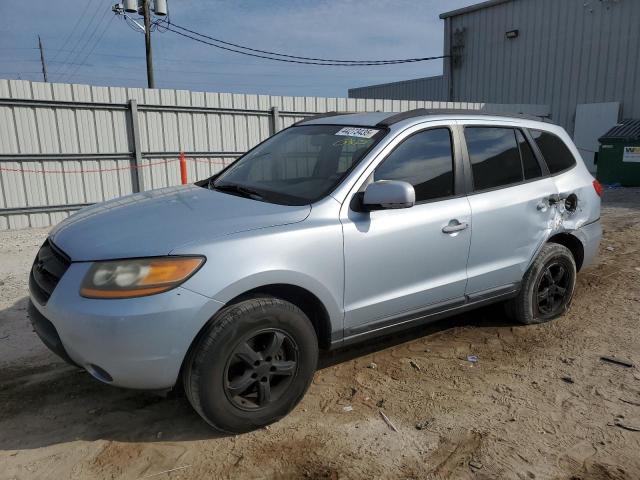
(84, 42)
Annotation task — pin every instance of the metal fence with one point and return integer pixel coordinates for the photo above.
(64, 146)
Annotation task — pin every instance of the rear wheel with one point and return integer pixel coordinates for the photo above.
(252, 366)
(547, 287)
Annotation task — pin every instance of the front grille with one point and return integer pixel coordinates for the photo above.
(47, 270)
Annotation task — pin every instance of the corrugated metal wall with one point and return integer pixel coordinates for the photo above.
(427, 88)
(63, 146)
(568, 52)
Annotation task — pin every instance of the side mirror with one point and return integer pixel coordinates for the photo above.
(388, 194)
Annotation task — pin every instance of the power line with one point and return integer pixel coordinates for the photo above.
(87, 42)
(84, 12)
(77, 43)
(354, 63)
(323, 60)
(104, 30)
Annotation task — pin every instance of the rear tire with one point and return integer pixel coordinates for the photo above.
(252, 365)
(547, 287)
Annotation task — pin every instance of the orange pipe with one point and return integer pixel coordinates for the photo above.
(183, 168)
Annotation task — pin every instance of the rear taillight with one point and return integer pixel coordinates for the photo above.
(597, 186)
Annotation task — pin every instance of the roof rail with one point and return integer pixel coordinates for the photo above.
(420, 112)
(321, 115)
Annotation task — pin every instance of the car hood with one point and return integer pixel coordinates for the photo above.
(154, 223)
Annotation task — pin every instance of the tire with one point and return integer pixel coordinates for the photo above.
(534, 304)
(252, 365)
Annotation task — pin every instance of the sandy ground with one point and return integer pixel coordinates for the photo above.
(510, 415)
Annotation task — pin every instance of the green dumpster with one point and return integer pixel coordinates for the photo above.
(619, 155)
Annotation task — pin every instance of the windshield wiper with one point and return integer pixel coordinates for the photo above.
(238, 189)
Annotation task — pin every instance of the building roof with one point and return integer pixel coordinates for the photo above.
(628, 130)
(472, 8)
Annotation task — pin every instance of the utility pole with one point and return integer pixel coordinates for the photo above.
(44, 65)
(147, 43)
(143, 7)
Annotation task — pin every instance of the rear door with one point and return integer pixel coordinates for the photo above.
(509, 198)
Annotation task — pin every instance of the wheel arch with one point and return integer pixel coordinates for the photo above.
(574, 245)
(302, 298)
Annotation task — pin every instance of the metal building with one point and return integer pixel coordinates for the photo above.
(568, 54)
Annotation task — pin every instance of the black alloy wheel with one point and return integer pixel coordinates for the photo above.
(251, 364)
(552, 289)
(261, 369)
(547, 287)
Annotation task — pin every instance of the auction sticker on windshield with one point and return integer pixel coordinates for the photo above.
(357, 132)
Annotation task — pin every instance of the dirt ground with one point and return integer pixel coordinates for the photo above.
(539, 402)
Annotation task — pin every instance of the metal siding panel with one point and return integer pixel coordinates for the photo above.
(170, 131)
(200, 136)
(100, 94)
(13, 185)
(54, 184)
(8, 139)
(212, 99)
(18, 221)
(4, 89)
(227, 133)
(264, 102)
(25, 123)
(185, 132)
(214, 132)
(120, 131)
(20, 89)
(226, 100)
(41, 91)
(118, 95)
(104, 131)
(183, 98)
(240, 132)
(74, 182)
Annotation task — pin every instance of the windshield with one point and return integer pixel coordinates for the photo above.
(298, 165)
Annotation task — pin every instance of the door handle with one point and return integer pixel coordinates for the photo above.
(455, 226)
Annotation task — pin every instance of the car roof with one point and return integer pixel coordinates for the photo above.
(386, 119)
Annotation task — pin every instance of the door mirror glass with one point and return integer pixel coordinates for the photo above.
(388, 194)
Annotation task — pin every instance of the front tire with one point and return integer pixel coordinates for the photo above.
(252, 365)
(547, 287)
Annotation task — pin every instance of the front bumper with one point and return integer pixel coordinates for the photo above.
(134, 343)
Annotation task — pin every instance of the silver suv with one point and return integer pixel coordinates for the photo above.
(335, 230)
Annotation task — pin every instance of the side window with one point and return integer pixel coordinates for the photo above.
(555, 152)
(494, 155)
(530, 165)
(425, 160)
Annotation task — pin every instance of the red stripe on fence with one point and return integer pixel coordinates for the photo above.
(183, 164)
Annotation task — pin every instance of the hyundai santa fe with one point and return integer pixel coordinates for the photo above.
(337, 229)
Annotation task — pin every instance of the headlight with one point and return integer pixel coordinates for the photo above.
(138, 277)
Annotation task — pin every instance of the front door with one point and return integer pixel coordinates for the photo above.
(401, 261)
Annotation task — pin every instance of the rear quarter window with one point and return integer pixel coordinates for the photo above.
(555, 152)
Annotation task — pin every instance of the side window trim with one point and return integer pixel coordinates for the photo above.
(468, 180)
(536, 152)
(457, 166)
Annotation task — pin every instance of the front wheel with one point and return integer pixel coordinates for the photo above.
(547, 287)
(252, 365)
